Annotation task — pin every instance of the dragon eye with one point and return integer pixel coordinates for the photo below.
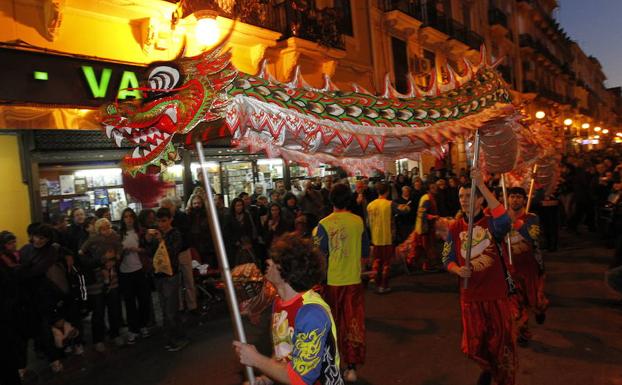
(163, 78)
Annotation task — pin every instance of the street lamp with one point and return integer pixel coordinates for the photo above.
(540, 115)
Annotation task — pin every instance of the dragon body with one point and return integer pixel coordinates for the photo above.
(353, 129)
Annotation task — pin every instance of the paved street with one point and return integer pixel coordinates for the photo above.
(413, 337)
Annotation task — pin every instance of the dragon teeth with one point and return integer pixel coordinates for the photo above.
(109, 130)
(136, 153)
(117, 138)
(159, 141)
(128, 130)
(152, 147)
(166, 135)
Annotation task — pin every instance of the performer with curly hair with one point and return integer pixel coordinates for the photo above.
(486, 309)
(303, 330)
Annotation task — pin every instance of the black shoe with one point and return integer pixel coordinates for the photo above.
(540, 318)
(485, 378)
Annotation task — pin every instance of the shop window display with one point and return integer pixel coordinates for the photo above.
(63, 188)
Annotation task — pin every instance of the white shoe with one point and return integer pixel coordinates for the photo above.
(78, 350)
(56, 366)
(131, 338)
(350, 375)
(100, 347)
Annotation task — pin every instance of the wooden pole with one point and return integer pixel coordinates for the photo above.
(221, 253)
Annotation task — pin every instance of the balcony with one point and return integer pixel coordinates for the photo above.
(321, 26)
(429, 16)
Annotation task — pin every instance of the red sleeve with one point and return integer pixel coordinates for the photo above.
(294, 377)
(497, 211)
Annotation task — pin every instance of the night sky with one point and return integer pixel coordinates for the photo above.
(597, 26)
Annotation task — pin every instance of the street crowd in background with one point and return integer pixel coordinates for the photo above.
(82, 269)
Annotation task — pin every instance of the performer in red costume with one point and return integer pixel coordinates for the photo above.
(486, 309)
(528, 266)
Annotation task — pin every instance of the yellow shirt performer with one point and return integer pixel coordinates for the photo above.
(380, 216)
(343, 239)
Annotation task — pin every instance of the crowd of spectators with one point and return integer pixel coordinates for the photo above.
(82, 267)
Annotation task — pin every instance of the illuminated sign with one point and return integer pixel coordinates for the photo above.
(32, 77)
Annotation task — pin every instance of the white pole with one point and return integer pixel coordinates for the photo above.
(508, 238)
(533, 180)
(222, 260)
(474, 166)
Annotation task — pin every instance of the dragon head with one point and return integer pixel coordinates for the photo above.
(178, 95)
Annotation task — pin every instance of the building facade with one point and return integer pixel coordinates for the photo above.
(61, 50)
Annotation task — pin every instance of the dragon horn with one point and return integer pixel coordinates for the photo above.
(412, 86)
(451, 80)
(263, 70)
(264, 73)
(360, 90)
(387, 94)
(297, 80)
(468, 72)
(328, 84)
(483, 57)
(432, 88)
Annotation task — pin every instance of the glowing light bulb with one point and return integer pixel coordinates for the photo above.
(596, 129)
(567, 122)
(206, 31)
(540, 115)
(585, 126)
(605, 131)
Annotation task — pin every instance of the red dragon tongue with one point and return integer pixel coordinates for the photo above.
(166, 124)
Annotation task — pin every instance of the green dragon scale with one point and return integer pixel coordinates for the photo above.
(354, 129)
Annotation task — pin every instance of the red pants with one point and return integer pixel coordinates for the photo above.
(347, 304)
(383, 255)
(529, 297)
(487, 338)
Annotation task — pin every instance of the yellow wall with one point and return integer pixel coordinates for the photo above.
(15, 208)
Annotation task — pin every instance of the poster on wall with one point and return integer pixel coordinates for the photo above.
(101, 197)
(43, 187)
(81, 185)
(53, 187)
(67, 186)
